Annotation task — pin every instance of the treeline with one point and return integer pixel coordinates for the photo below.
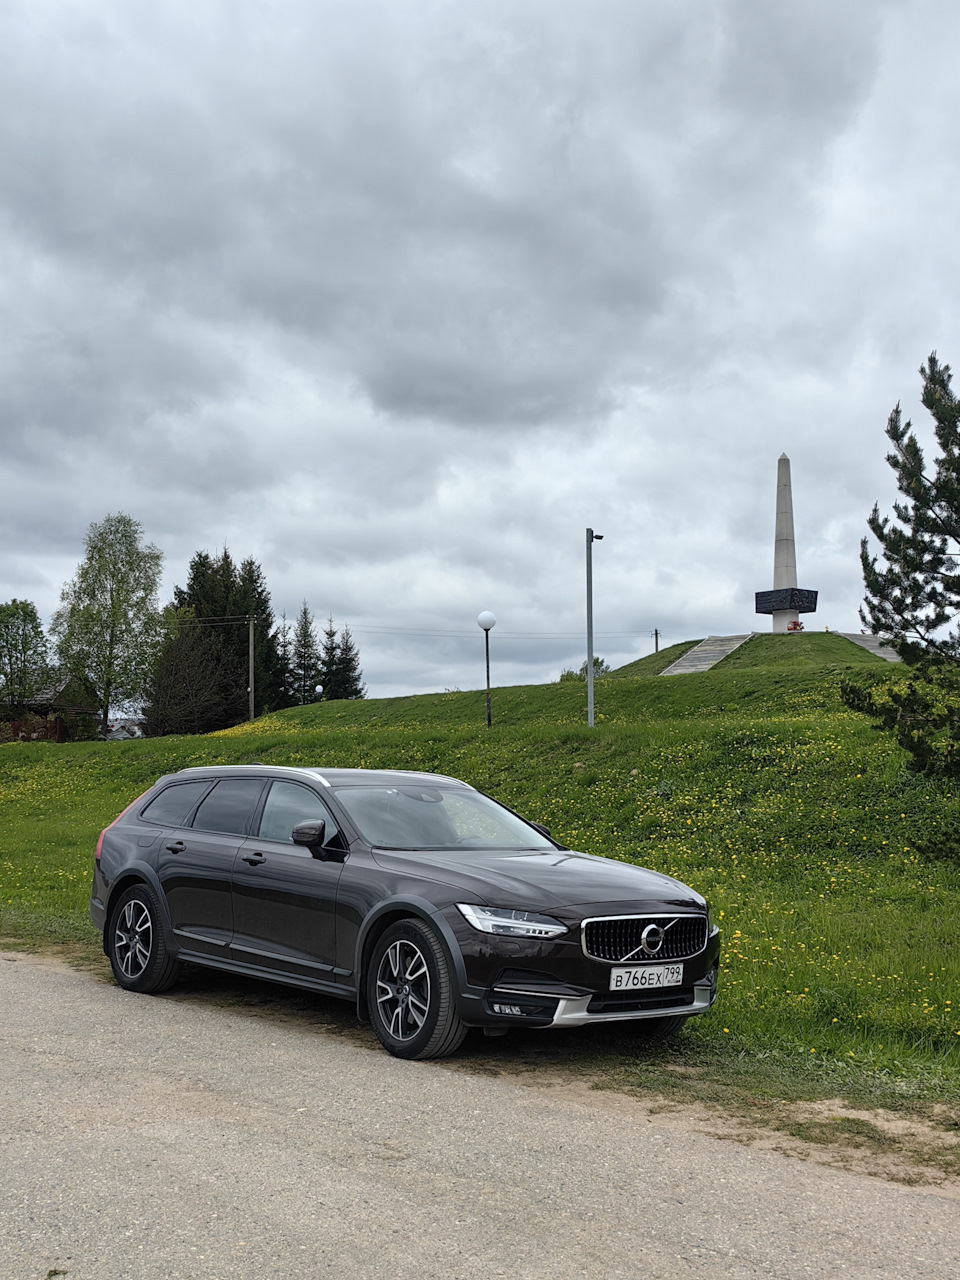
(184, 667)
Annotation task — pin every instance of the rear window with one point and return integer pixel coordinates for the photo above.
(173, 805)
(229, 806)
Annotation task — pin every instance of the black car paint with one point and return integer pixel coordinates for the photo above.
(339, 905)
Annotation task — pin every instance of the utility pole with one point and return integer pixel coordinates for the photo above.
(591, 538)
(250, 660)
(656, 640)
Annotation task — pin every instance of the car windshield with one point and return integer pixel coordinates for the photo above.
(427, 817)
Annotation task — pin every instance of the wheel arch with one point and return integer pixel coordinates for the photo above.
(139, 873)
(390, 912)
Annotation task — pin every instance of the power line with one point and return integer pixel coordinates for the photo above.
(229, 620)
(506, 635)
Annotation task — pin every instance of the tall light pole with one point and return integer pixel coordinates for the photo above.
(486, 621)
(591, 538)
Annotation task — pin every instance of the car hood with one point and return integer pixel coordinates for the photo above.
(540, 879)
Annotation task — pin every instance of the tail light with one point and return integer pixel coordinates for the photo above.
(114, 823)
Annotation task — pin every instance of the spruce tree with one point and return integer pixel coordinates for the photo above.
(288, 696)
(211, 637)
(914, 597)
(328, 661)
(305, 658)
(252, 597)
(340, 671)
(349, 676)
(185, 694)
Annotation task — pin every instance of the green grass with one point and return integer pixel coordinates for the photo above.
(653, 663)
(751, 782)
(803, 650)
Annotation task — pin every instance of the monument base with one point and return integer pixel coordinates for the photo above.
(785, 605)
(782, 619)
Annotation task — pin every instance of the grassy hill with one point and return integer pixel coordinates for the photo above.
(750, 781)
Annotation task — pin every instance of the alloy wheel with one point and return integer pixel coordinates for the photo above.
(133, 939)
(403, 989)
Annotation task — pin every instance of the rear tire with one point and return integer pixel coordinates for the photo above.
(410, 993)
(135, 943)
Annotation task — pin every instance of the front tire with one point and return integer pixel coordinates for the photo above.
(656, 1030)
(410, 993)
(135, 943)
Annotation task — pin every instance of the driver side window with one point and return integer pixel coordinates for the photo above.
(288, 804)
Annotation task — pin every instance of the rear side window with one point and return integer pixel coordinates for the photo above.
(229, 806)
(288, 804)
(172, 806)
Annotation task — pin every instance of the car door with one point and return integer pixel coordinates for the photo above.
(284, 899)
(196, 865)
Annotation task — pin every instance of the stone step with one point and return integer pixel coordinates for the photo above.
(872, 644)
(706, 654)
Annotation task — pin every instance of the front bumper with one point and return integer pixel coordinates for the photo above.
(545, 1004)
(541, 984)
(575, 1011)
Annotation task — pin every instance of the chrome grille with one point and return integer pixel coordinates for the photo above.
(617, 938)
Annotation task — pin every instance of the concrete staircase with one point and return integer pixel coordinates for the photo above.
(871, 644)
(706, 654)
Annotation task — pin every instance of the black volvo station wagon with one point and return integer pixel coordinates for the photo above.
(432, 906)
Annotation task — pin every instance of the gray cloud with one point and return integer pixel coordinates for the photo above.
(398, 300)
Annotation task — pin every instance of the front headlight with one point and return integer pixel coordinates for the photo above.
(513, 924)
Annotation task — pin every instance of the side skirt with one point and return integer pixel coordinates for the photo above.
(268, 975)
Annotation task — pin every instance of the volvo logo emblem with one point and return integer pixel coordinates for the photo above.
(651, 940)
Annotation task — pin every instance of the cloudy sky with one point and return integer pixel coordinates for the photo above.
(398, 297)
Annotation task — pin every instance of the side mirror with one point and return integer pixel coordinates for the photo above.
(538, 826)
(310, 836)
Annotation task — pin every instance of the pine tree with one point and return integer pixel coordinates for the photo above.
(305, 658)
(914, 597)
(916, 593)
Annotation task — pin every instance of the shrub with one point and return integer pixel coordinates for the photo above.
(921, 707)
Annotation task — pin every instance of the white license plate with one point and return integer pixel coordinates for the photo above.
(650, 975)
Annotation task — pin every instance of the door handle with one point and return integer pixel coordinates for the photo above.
(254, 859)
(177, 847)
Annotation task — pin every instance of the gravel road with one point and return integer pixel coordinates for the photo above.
(145, 1137)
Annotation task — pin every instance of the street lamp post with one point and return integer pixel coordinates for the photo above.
(486, 621)
(591, 538)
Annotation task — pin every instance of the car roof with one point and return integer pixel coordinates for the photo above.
(326, 777)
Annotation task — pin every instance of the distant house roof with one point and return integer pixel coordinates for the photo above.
(69, 697)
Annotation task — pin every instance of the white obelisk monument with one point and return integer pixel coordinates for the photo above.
(786, 601)
(784, 546)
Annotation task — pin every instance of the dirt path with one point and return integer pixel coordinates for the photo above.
(169, 1138)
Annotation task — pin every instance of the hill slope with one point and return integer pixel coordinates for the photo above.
(751, 782)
